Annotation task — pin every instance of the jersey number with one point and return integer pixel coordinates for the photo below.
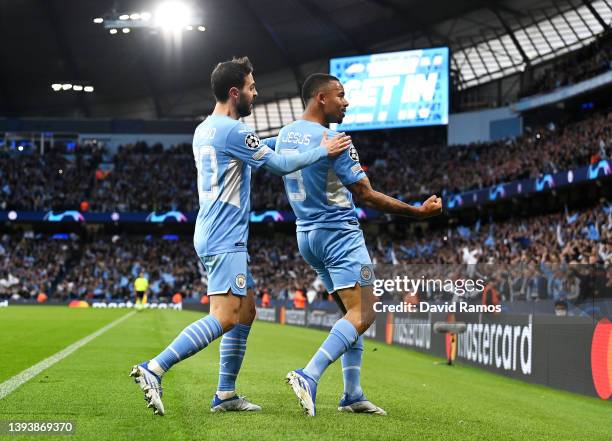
(206, 163)
(294, 180)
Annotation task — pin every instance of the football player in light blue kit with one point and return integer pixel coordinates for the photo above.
(225, 150)
(330, 240)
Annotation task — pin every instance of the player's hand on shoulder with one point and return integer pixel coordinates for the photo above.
(337, 144)
(431, 207)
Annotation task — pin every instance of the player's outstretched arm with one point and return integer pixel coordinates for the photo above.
(364, 193)
(284, 164)
(270, 142)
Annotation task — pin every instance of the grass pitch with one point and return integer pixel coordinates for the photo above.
(425, 401)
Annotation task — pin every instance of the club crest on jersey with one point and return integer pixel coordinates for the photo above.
(251, 141)
(366, 273)
(240, 281)
(353, 153)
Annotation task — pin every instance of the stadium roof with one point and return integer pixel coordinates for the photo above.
(53, 41)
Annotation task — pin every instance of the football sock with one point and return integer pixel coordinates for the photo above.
(154, 367)
(341, 337)
(191, 340)
(231, 351)
(226, 394)
(351, 369)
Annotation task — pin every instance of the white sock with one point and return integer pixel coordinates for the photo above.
(154, 367)
(225, 394)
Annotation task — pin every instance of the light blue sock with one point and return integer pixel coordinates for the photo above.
(191, 340)
(231, 351)
(341, 338)
(351, 369)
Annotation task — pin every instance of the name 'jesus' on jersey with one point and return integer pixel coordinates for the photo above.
(318, 193)
(225, 150)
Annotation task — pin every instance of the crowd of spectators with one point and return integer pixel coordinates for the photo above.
(40, 182)
(530, 257)
(108, 266)
(405, 171)
(514, 252)
(410, 172)
(565, 257)
(149, 178)
(31, 263)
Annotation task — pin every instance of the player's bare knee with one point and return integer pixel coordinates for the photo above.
(361, 319)
(364, 322)
(228, 323)
(226, 309)
(228, 319)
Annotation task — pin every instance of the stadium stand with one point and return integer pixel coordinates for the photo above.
(576, 66)
(105, 267)
(147, 178)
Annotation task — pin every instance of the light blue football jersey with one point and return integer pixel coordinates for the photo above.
(318, 193)
(225, 150)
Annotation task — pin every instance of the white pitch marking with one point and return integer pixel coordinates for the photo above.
(26, 375)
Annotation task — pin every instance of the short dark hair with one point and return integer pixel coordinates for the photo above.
(314, 83)
(229, 74)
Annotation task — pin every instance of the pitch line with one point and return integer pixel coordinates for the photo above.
(26, 375)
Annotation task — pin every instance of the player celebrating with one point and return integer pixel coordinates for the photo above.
(330, 240)
(225, 150)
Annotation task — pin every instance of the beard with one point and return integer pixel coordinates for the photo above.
(243, 106)
(334, 119)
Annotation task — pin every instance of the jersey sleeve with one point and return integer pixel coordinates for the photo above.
(270, 142)
(244, 144)
(347, 166)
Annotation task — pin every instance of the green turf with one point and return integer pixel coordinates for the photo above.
(424, 401)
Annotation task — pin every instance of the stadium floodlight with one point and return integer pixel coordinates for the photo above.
(172, 15)
(56, 87)
(66, 86)
(88, 89)
(77, 88)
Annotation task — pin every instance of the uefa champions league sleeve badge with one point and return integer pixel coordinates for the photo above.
(251, 141)
(353, 153)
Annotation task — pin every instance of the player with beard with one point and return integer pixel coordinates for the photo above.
(330, 240)
(225, 150)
